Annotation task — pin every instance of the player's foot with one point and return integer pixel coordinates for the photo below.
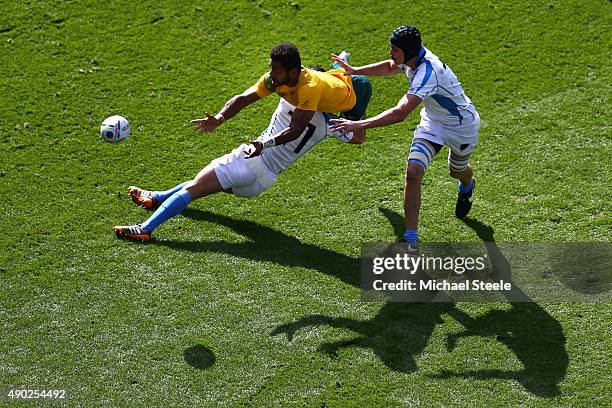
(143, 198)
(412, 247)
(133, 232)
(464, 202)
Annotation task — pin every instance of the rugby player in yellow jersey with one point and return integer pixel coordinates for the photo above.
(245, 172)
(307, 90)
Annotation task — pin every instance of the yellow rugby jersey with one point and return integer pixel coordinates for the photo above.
(330, 91)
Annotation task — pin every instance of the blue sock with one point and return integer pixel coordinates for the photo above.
(411, 236)
(173, 206)
(463, 189)
(162, 196)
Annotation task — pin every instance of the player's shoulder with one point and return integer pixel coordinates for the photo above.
(309, 87)
(429, 67)
(433, 61)
(266, 80)
(428, 55)
(308, 78)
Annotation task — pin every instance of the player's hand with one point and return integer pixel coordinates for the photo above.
(348, 68)
(207, 124)
(344, 125)
(253, 150)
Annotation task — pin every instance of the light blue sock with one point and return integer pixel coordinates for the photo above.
(411, 235)
(463, 189)
(162, 196)
(172, 207)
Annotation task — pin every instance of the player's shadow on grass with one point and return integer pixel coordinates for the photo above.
(400, 331)
(533, 335)
(396, 334)
(268, 244)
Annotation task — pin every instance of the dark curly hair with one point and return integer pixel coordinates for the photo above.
(287, 55)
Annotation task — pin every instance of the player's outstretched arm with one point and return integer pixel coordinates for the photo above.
(231, 108)
(382, 68)
(394, 115)
(299, 122)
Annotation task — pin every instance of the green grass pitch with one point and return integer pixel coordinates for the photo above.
(256, 302)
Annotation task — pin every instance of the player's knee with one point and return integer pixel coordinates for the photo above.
(457, 165)
(414, 173)
(194, 188)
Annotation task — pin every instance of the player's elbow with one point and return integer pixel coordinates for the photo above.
(244, 99)
(294, 132)
(400, 113)
(240, 100)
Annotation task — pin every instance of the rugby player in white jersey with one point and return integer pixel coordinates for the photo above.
(448, 118)
(238, 172)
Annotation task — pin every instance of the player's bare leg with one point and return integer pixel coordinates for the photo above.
(412, 197)
(422, 151)
(460, 169)
(205, 183)
(465, 176)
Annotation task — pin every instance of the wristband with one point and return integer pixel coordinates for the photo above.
(220, 118)
(268, 143)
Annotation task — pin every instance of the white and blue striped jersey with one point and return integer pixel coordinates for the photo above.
(278, 158)
(444, 100)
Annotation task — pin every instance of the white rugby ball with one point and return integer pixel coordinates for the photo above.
(115, 129)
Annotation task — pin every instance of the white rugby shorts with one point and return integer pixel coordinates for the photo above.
(461, 139)
(246, 177)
